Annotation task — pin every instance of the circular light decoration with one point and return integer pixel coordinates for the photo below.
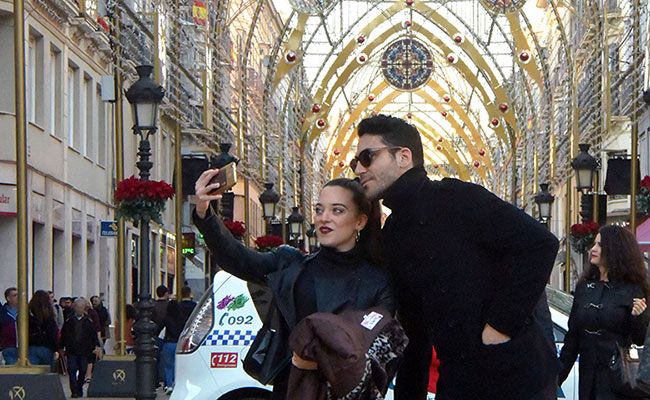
(290, 57)
(361, 39)
(407, 64)
(502, 6)
(362, 58)
(321, 123)
(312, 7)
(315, 108)
(524, 57)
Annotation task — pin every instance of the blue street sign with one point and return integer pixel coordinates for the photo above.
(108, 228)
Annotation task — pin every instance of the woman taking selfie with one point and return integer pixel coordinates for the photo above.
(343, 275)
(609, 308)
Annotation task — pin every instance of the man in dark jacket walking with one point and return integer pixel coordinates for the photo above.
(80, 341)
(8, 316)
(468, 269)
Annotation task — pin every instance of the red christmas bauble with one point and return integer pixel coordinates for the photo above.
(494, 122)
(361, 58)
(524, 56)
(371, 97)
(361, 39)
(503, 107)
(341, 164)
(440, 140)
(438, 147)
(444, 114)
(435, 166)
(409, 2)
(477, 164)
(446, 98)
(315, 108)
(458, 39)
(291, 56)
(337, 152)
(409, 115)
(407, 24)
(321, 123)
(481, 152)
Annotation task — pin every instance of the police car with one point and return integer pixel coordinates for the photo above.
(216, 338)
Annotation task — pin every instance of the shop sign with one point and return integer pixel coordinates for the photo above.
(108, 228)
(8, 197)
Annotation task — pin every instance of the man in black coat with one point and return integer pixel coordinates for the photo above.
(468, 269)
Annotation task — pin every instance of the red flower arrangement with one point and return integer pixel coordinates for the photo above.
(237, 228)
(268, 242)
(142, 200)
(583, 235)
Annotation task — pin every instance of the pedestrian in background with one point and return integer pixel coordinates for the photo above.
(80, 342)
(8, 329)
(58, 311)
(104, 317)
(42, 329)
(158, 316)
(609, 308)
(130, 320)
(173, 324)
(187, 304)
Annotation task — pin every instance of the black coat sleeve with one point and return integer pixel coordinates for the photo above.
(231, 255)
(526, 246)
(639, 324)
(386, 299)
(571, 346)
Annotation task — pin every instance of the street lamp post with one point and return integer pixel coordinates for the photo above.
(311, 238)
(295, 221)
(544, 199)
(269, 199)
(584, 164)
(145, 96)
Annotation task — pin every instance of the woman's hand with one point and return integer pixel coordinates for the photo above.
(202, 187)
(638, 307)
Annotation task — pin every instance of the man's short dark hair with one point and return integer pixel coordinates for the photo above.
(9, 290)
(161, 290)
(186, 292)
(394, 132)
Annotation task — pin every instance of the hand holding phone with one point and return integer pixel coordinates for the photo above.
(209, 187)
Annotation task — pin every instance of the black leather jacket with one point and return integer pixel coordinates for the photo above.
(280, 269)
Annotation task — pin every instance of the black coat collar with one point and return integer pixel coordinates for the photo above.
(401, 193)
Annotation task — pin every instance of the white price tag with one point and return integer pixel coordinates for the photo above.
(371, 320)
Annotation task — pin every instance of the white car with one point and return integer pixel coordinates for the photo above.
(217, 336)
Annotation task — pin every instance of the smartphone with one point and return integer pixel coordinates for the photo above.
(226, 178)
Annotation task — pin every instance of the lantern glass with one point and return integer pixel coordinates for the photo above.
(269, 210)
(145, 115)
(295, 228)
(545, 211)
(585, 177)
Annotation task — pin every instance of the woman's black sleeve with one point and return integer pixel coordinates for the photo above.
(639, 324)
(571, 346)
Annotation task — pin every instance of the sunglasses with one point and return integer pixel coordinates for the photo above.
(365, 156)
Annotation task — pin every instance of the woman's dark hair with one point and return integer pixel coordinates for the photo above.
(369, 235)
(130, 312)
(394, 131)
(40, 306)
(621, 255)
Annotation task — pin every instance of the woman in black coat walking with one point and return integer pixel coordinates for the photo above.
(609, 307)
(340, 276)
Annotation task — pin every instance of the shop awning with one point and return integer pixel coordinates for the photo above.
(643, 235)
